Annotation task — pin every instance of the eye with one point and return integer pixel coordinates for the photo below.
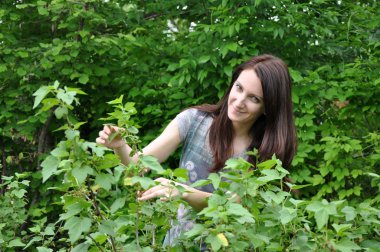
(255, 99)
(238, 86)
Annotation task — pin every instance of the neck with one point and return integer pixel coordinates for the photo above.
(241, 130)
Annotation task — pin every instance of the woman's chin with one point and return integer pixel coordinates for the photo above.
(235, 118)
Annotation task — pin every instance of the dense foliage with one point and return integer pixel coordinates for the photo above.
(61, 191)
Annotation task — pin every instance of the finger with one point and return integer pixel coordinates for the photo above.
(103, 135)
(151, 195)
(147, 196)
(162, 180)
(165, 199)
(100, 140)
(107, 129)
(152, 190)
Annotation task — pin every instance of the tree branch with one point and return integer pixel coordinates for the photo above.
(3, 164)
(42, 137)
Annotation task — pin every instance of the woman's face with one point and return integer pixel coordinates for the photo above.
(245, 101)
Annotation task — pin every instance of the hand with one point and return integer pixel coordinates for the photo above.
(165, 190)
(104, 135)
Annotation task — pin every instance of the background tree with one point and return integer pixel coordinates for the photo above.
(167, 55)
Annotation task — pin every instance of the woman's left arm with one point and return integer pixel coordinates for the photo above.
(166, 190)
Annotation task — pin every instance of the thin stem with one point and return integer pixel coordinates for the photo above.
(98, 212)
(137, 230)
(97, 244)
(153, 237)
(349, 25)
(3, 164)
(327, 238)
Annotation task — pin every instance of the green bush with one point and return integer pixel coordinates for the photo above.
(99, 209)
(165, 56)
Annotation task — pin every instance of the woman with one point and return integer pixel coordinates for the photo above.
(255, 112)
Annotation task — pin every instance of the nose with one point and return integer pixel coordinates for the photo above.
(240, 101)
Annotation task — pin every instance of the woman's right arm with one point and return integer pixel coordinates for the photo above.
(161, 147)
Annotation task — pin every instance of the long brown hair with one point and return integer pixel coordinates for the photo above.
(273, 132)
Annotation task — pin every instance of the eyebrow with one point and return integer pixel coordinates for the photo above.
(250, 94)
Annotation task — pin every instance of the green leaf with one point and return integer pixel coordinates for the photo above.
(151, 163)
(48, 103)
(43, 249)
(59, 152)
(74, 209)
(22, 6)
(223, 239)
(346, 245)
(117, 204)
(278, 197)
(76, 226)
(322, 210)
(99, 237)
(296, 187)
(340, 228)
(60, 112)
(95, 148)
(104, 180)
(83, 79)
(215, 180)
(195, 231)
(297, 203)
(200, 183)
(132, 129)
(49, 167)
(56, 50)
(76, 90)
(49, 230)
(56, 84)
(66, 97)
(107, 227)
(303, 242)
(71, 134)
(33, 240)
(215, 242)
(117, 100)
(178, 96)
(40, 95)
(203, 59)
(82, 247)
(232, 46)
(80, 173)
(238, 164)
(43, 11)
(270, 175)
(19, 193)
(350, 213)
(181, 173)
(108, 161)
(287, 215)
(16, 243)
(144, 182)
(371, 245)
(267, 164)
(239, 210)
(64, 127)
(23, 54)
(21, 71)
(228, 70)
(373, 174)
(3, 68)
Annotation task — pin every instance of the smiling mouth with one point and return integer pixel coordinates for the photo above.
(237, 110)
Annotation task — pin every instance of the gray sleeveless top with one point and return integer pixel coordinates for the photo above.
(197, 158)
